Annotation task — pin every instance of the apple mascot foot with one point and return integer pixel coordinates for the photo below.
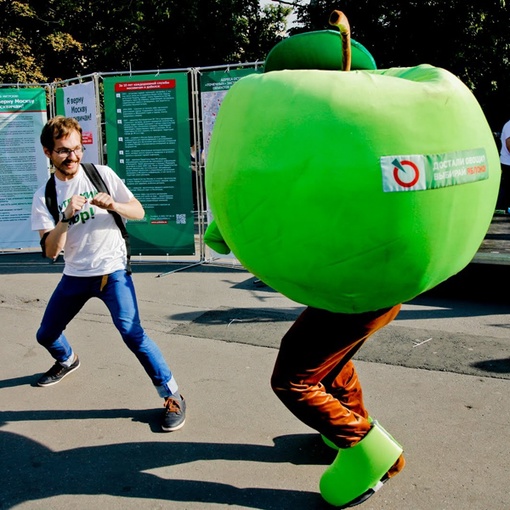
(358, 472)
(350, 190)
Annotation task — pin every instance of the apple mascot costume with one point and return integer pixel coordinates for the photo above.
(350, 190)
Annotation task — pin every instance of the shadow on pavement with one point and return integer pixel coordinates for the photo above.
(30, 471)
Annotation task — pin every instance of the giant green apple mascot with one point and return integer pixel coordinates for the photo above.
(350, 189)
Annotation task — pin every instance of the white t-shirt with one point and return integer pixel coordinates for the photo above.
(94, 244)
(504, 154)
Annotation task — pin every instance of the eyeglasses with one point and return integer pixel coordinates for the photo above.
(67, 152)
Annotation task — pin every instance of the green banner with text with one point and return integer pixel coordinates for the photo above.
(148, 146)
(23, 165)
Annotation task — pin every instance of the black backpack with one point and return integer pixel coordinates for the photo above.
(97, 181)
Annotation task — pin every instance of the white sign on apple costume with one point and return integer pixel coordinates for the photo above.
(420, 172)
(79, 102)
(24, 167)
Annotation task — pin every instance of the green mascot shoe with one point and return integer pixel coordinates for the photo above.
(358, 472)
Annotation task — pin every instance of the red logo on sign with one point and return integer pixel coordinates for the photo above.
(400, 168)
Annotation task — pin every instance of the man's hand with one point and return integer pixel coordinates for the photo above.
(74, 206)
(103, 201)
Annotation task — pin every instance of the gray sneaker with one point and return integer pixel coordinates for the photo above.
(57, 372)
(175, 414)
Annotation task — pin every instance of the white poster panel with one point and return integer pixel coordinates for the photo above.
(23, 165)
(214, 86)
(79, 101)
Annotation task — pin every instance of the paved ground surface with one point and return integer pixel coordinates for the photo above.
(437, 379)
(495, 247)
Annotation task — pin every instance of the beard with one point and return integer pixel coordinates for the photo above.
(63, 169)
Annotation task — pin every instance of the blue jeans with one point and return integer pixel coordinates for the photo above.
(118, 294)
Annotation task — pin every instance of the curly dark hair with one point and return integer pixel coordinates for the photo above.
(58, 127)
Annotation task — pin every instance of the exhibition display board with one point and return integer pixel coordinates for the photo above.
(148, 146)
(138, 124)
(81, 102)
(23, 166)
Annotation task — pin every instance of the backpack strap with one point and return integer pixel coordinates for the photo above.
(100, 185)
(51, 197)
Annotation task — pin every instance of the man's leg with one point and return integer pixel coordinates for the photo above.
(319, 344)
(66, 301)
(118, 293)
(503, 201)
(119, 296)
(347, 389)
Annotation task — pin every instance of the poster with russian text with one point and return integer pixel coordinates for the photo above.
(148, 146)
(79, 101)
(23, 165)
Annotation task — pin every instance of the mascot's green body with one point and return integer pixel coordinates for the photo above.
(300, 174)
(349, 191)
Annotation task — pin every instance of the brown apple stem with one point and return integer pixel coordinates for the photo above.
(339, 19)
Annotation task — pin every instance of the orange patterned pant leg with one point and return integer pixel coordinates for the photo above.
(314, 377)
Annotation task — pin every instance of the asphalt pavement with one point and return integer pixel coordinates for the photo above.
(92, 441)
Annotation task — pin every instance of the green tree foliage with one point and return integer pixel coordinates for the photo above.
(470, 38)
(51, 40)
(29, 38)
(48, 40)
